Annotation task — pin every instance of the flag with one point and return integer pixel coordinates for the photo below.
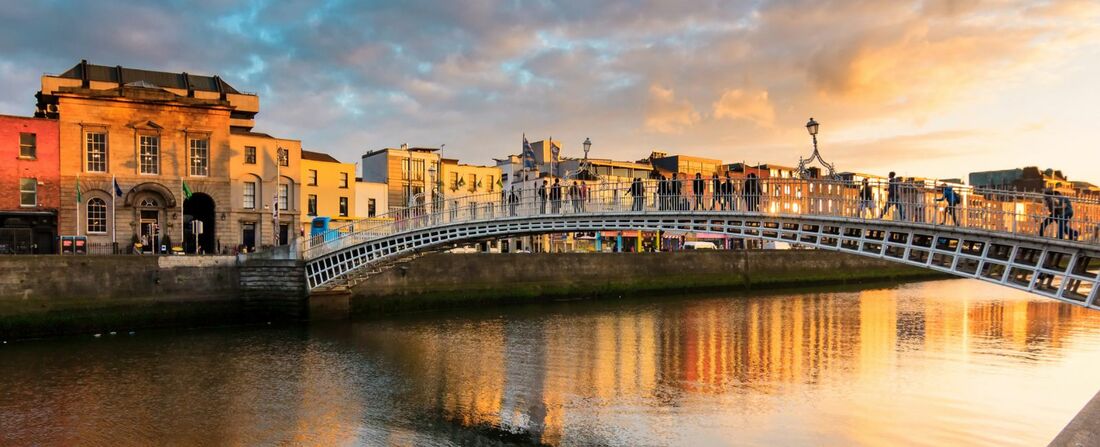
(528, 155)
(118, 190)
(79, 196)
(554, 150)
(186, 191)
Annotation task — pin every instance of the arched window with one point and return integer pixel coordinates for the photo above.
(97, 216)
(149, 203)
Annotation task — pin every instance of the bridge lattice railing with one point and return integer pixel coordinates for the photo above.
(1008, 212)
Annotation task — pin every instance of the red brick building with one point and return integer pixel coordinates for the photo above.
(29, 185)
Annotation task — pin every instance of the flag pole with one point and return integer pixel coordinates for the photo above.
(114, 194)
(78, 204)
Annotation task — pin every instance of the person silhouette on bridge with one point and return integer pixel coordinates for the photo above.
(542, 197)
(555, 197)
(950, 199)
(751, 193)
(727, 194)
(698, 188)
(866, 199)
(675, 192)
(637, 191)
(715, 188)
(1050, 202)
(662, 193)
(513, 201)
(893, 197)
(582, 196)
(1065, 214)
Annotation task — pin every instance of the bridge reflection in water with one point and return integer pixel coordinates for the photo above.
(935, 363)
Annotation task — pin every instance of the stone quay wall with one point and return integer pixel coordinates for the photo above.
(58, 295)
(450, 280)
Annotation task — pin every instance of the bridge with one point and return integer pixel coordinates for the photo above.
(1020, 240)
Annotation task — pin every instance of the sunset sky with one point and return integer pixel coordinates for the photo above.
(936, 88)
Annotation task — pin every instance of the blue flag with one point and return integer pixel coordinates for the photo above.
(528, 155)
(118, 191)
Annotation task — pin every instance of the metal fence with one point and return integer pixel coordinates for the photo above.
(1015, 213)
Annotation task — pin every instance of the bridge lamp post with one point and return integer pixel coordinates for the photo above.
(803, 163)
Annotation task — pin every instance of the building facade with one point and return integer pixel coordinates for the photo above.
(371, 199)
(409, 174)
(156, 159)
(328, 188)
(29, 185)
(460, 179)
(265, 174)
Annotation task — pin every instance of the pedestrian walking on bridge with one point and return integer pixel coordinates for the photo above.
(893, 197)
(698, 189)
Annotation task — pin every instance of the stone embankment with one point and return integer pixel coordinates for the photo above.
(57, 295)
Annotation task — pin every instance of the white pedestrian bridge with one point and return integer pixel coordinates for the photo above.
(1026, 241)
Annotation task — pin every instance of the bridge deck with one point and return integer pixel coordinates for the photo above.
(1014, 239)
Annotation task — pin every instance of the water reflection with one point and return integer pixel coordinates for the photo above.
(945, 362)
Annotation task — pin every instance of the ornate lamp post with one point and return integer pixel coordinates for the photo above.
(585, 166)
(803, 172)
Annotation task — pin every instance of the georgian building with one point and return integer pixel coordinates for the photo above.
(29, 185)
(328, 188)
(177, 146)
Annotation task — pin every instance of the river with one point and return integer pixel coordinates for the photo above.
(951, 362)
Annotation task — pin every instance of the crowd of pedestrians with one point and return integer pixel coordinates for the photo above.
(897, 199)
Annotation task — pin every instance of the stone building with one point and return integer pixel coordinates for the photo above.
(153, 133)
(29, 185)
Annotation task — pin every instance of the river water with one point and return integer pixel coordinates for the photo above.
(953, 362)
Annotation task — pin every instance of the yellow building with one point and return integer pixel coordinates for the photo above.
(328, 188)
(409, 174)
(460, 179)
(153, 132)
(264, 211)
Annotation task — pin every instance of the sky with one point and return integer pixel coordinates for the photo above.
(935, 88)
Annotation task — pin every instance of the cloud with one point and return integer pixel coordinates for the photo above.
(666, 114)
(751, 106)
(716, 78)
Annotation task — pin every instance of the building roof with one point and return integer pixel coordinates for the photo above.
(239, 131)
(318, 156)
(147, 78)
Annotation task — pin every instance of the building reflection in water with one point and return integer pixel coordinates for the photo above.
(932, 363)
(602, 374)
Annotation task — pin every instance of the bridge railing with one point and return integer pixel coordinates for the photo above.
(1010, 212)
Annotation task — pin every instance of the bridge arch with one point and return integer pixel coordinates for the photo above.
(1058, 269)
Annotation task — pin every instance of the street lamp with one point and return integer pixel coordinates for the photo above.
(587, 147)
(812, 127)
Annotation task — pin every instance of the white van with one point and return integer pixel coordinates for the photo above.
(699, 245)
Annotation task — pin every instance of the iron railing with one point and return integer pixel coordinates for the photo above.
(1008, 212)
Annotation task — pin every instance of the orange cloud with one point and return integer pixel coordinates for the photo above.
(666, 114)
(751, 106)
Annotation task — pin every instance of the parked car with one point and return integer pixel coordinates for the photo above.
(699, 245)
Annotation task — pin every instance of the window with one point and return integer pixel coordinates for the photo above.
(343, 207)
(344, 180)
(250, 155)
(284, 157)
(311, 205)
(200, 157)
(250, 195)
(454, 181)
(491, 184)
(149, 154)
(284, 193)
(97, 216)
(417, 171)
(28, 145)
(312, 177)
(96, 150)
(372, 208)
(28, 192)
(472, 182)
(149, 203)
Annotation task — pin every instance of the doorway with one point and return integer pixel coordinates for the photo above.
(149, 230)
(200, 207)
(248, 235)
